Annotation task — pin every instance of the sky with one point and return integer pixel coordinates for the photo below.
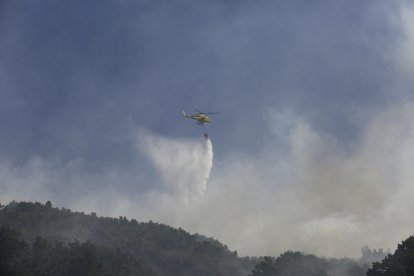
(312, 148)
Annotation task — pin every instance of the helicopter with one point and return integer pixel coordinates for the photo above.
(200, 117)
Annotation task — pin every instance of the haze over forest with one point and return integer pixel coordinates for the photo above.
(38, 239)
(312, 149)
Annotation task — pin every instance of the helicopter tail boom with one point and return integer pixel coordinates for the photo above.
(185, 114)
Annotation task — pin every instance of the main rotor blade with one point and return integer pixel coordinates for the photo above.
(211, 113)
(205, 112)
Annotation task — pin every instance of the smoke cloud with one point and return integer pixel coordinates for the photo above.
(319, 197)
(314, 196)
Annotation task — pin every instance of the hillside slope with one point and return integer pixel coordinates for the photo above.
(168, 251)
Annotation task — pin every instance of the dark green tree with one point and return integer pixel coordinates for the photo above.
(291, 264)
(145, 247)
(401, 263)
(14, 253)
(265, 267)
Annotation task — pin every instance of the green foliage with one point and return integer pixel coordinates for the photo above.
(13, 252)
(299, 264)
(47, 258)
(167, 251)
(291, 264)
(401, 263)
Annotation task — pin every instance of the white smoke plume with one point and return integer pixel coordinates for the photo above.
(318, 197)
(184, 165)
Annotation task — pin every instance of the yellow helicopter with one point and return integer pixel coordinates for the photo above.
(200, 117)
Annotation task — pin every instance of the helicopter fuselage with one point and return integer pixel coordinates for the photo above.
(199, 117)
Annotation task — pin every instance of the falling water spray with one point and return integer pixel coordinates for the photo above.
(183, 165)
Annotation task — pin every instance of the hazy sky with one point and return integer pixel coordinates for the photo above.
(313, 147)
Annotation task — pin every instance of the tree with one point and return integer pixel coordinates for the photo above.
(291, 264)
(13, 252)
(401, 263)
(265, 267)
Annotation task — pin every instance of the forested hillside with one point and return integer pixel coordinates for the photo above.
(160, 249)
(43, 257)
(38, 239)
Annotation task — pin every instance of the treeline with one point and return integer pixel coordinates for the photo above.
(300, 264)
(167, 251)
(44, 257)
(38, 239)
(401, 263)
